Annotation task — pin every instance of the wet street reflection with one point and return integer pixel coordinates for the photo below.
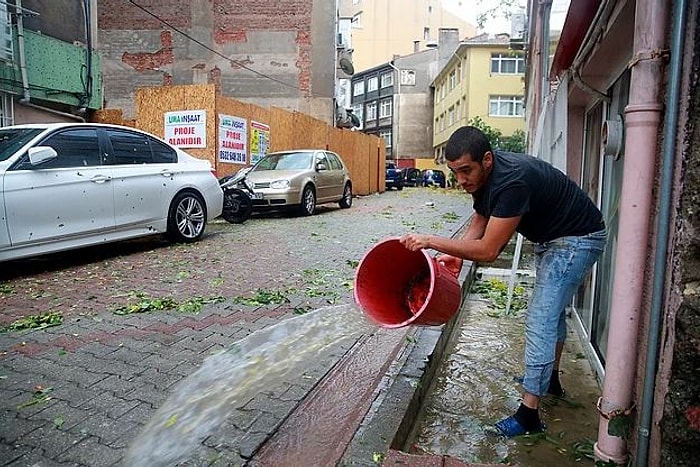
(477, 385)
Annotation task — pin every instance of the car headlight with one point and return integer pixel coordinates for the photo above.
(279, 184)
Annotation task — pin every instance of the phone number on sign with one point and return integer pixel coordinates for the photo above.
(231, 156)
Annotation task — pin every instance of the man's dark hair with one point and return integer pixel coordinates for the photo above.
(467, 140)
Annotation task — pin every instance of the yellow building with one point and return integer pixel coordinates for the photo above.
(382, 29)
(484, 78)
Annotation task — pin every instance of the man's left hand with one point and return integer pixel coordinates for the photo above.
(415, 242)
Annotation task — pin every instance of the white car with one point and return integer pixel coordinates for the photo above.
(70, 185)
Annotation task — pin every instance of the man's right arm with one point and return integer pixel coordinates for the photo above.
(476, 228)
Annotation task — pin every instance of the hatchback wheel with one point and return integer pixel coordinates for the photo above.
(346, 201)
(187, 218)
(308, 201)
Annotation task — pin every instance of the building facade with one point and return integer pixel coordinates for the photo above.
(394, 101)
(382, 29)
(616, 108)
(263, 52)
(372, 102)
(48, 68)
(484, 79)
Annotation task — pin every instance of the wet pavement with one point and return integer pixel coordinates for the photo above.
(137, 318)
(81, 393)
(476, 385)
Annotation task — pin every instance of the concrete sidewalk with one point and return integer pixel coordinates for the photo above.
(81, 392)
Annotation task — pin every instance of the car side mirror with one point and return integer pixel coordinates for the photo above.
(41, 154)
(321, 166)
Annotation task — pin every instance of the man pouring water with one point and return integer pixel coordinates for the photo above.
(519, 193)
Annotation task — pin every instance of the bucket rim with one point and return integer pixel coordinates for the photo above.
(432, 264)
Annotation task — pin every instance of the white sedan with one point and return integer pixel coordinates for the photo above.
(70, 185)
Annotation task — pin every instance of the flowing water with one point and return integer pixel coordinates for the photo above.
(229, 379)
(476, 386)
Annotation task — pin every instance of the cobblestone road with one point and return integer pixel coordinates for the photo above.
(78, 393)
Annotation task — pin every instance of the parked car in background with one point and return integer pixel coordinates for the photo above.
(412, 177)
(394, 176)
(300, 179)
(434, 177)
(70, 185)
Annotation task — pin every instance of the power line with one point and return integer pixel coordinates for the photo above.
(18, 84)
(262, 75)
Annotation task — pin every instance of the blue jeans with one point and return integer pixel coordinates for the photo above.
(561, 266)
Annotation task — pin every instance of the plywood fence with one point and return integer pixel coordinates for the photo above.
(363, 154)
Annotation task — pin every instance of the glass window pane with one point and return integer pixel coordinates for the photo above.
(508, 66)
(129, 148)
(75, 148)
(162, 153)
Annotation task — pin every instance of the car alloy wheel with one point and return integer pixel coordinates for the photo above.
(187, 218)
(346, 201)
(308, 201)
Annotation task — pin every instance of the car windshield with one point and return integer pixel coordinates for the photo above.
(286, 161)
(11, 139)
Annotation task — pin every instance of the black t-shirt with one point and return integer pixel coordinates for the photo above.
(550, 203)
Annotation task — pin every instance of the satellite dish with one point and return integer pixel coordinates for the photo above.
(346, 66)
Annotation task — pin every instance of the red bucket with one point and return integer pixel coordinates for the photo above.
(397, 287)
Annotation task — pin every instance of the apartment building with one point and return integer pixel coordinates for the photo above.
(382, 29)
(48, 68)
(394, 100)
(484, 78)
(615, 106)
(282, 54)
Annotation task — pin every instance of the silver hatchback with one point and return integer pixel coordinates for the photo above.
(300, 179)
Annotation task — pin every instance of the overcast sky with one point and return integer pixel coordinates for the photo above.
(469, 9)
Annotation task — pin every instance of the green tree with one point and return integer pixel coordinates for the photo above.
(513, 143)
(491, 9)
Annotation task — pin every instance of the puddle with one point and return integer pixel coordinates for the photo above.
(202, 402)
(475, 386)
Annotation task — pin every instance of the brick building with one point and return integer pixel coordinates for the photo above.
(257, 51)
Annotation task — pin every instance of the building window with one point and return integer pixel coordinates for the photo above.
(387, 137)
(385, 106)
(6, 49)
(458, 111)
(387, 79)
(372, 84)
(359, 111)
(451, 116)
(459, 72)
(453, 79)
(6, 110)
(344, 37)
(504, 64)
(506, 106)
(371, 111)
(358, 88)
(426, 34)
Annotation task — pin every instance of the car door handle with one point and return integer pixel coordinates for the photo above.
(100, 179)
(168, 173)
